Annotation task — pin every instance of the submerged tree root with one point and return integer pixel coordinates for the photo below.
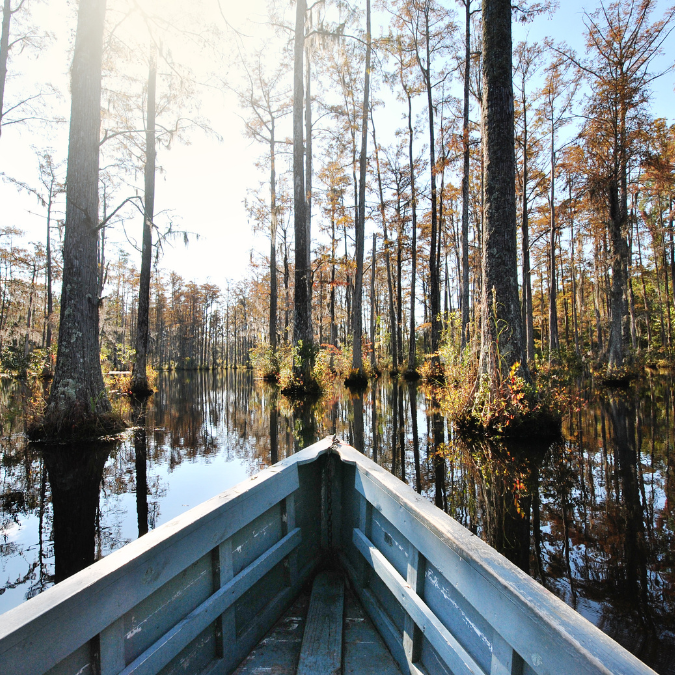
(73, 425)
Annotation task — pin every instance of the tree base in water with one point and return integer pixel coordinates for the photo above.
(141, 390)
(540, 424)
(411, 376)
(299, 390)
(272, 378)
(73, 425)
(357, 380)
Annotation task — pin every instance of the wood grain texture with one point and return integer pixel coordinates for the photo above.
(185, 631)
(44, 631)
(321, 652)
(452, 653)
(550, 636)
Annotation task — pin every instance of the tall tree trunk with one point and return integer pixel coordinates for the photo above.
(575, 317)
(308, 183)
(302, 320)
(4, 53)
(50, 299)
(412, 356)
(29, 313)
(553, 339)
(618, 217)
(273, 241)
(373, 360)
(360, 225)
(333, 327)
(464, 297)
(399, 289)
(387, 257)
(528, 313)
(139, 377)
(434, 276)
(501, 334)
(78, 400)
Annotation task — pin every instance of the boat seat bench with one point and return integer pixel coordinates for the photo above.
(197, 594)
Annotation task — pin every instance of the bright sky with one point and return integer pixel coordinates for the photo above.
(204, 184)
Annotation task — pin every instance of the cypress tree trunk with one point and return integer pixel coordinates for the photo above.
(412, 357)
(139, 378)
(528, 314)
(387, 254)
(4, 49)
(501, 333)
(78, 403)
(464, 297)
(360, 225)
(434, 276)
(50, 299)
(308, 186)
(553, 339)
(273, 241)
(302, 324)
(618, 219)
(373, 360)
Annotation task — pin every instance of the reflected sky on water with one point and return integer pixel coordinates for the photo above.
(590, 516)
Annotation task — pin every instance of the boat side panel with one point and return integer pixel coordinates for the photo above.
(254, 539)
(388, 602)
(472, 631)
(195, 657)
(393, 545)
(431, 661)
(351, 504)
(80, 662)
(307, 513)
(390, 541)
(254, 601)
(157, 614)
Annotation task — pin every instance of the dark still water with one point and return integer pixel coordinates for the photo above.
(591, 517)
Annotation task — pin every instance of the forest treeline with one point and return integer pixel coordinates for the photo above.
(520, 208)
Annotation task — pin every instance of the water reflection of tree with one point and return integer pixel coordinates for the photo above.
(75, 476)
(591, 518)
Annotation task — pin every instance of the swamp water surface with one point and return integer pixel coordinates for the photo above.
(591, 517)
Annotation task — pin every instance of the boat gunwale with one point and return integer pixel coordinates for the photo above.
(74, 595)
(428, 529)
(544, 610)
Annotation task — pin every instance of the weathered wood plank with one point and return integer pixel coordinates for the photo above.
(539, 626)
(364, 650)
(146, 623)
(41, 632)
(504, 660)
(412, 642)
(173, 642)
(252, 540)
(289, 524)
(112, 648)
(384, 625)
(457, 658)
(321, 652)
(226, 631)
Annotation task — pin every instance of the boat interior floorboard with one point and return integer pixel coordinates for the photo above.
(363, 650)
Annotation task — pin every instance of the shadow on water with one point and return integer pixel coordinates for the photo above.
(590, 517)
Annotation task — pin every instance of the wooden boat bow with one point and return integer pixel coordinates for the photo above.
(197, 594)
